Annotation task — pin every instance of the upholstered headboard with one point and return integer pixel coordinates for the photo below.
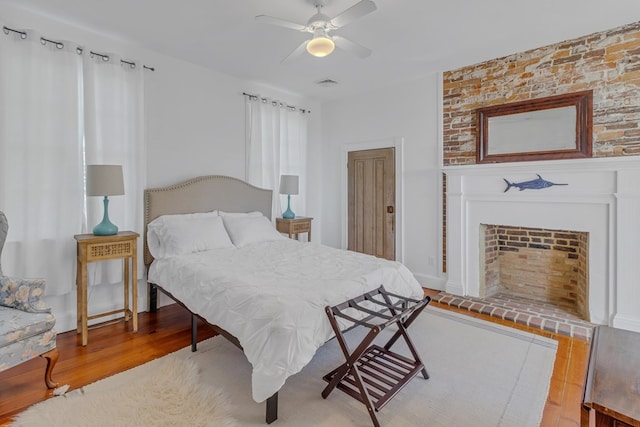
(203, 194)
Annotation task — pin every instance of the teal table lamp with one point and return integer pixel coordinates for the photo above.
(288, 186)
(105, 180)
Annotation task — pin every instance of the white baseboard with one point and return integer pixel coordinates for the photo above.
(430, 281)
(454, 288)
(66, 322)
(626, 322)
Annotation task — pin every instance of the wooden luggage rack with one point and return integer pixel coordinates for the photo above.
(373, 374)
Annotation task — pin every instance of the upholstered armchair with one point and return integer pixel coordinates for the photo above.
(26, 323)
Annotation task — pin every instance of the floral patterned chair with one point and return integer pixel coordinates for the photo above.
(26, 323)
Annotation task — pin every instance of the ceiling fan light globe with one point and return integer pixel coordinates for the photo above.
(320, 46)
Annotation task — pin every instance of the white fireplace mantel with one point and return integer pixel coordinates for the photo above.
(602, 198)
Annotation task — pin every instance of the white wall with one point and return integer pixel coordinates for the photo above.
(195, 126)
(196, 121)
(409, 111)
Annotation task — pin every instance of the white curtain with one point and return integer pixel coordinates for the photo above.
(41, 168)
(293, 157)
(63, 108)
(263, 146)
(276, 140)
(114, 134)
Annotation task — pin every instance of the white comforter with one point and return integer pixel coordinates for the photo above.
(272, 295)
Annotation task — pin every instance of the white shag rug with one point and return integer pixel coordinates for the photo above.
(165, 392)
(481, 374)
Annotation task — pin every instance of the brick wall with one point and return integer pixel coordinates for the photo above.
(444, 223)
(545, 265)
(607, 63)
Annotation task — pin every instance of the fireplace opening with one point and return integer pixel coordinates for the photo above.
(549, 266)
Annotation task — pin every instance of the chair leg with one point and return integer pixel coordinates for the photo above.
(52, 358)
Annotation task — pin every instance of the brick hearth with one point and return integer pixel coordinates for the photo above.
(523, 311)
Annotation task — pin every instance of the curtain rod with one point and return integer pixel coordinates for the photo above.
(282, 104)
(79, 50)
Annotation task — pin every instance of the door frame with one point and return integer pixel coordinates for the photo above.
(398, 144)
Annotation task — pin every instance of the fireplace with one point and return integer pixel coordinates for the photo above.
(544, 265)
(601, 202)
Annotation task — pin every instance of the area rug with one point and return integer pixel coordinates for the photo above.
(165, 392)
(481, 374)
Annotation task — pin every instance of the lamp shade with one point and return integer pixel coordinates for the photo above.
(289, 184)
(104, 180)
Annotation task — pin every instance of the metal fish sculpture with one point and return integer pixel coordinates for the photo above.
(534, 184)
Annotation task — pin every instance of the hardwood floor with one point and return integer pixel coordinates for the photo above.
(112, 349)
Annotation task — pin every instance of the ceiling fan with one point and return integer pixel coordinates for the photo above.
(320, 25)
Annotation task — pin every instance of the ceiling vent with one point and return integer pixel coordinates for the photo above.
(327, 82)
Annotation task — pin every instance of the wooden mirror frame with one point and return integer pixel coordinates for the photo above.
(583, 103)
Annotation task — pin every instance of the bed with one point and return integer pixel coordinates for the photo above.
(264, 292)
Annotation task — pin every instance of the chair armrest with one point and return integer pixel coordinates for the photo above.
(23, 294)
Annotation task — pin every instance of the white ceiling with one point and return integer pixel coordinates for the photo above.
(409, 38)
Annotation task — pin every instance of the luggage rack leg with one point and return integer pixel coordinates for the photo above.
(373, 374)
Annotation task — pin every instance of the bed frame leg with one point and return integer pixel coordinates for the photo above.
(194, 332)
(153, 298)
(272, 408)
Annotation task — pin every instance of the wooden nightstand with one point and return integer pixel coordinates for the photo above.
(91, 248)
(299, 224)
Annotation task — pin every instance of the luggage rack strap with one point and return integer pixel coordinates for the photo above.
(389, 313)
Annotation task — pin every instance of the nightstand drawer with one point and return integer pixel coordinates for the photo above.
(295, 226)
(301, 227)
(102, 251)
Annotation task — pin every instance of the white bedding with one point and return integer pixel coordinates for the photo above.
(272, 295)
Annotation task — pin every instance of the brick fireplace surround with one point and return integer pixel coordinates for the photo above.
(602, 198)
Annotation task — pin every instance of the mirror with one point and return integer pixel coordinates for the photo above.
(557, 127)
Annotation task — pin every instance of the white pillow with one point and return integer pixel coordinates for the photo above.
(248, 229)
(155, 229)
(172, 235)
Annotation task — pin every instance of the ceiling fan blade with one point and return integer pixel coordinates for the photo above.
(351, 47)
(296, 53)
(266, 19)
(354, 12)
